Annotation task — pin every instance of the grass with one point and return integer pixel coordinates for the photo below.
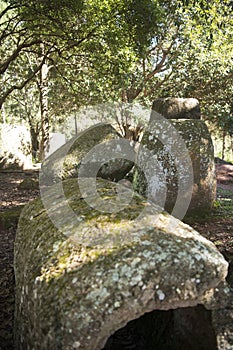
(223, 206)
(222, 209)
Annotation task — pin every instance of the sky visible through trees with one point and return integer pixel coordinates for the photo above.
(57, 57)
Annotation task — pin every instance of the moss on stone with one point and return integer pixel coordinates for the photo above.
(66, 161)
(196, 138)
(71, 295)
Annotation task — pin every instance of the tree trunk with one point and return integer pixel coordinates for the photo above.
(3, 115)
(35, 131)
(223, 143)
(43, 87)
(231, 147)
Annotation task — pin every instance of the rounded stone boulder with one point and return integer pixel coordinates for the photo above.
(79, 278)
(96, 151)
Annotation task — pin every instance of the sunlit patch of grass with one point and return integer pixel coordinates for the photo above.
(223, 207)
(224, 192)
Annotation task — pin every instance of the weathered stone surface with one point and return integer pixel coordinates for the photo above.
(165, 151)
(15, 147)
(99, 149)
(74, 296)
(177, 108)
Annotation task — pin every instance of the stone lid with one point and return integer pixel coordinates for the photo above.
(177, 108)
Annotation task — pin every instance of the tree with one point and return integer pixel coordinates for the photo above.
(53, 32)
(24, 34)
(124, 51)
(123, 65)
(204, 70)
(68, 35)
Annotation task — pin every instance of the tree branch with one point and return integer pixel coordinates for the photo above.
(8, 8)
(159, 84)
(160, 67)
(24, 83)
(16, 53)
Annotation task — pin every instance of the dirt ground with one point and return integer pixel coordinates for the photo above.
(218, 228)
(12, 198)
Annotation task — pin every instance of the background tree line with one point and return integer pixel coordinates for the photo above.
(57, 57)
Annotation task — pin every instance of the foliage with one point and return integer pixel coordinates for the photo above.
(120, 51)
(80, 38)
(204, 69)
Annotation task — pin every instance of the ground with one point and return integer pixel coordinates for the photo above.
(13, 198)
(217, 227)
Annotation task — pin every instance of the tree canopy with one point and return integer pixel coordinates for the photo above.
(76, 52)
(205, 68)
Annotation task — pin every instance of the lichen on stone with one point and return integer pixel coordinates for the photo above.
(71, 294)
(161, 164)
(99, 148)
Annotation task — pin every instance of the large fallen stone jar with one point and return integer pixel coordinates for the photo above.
(99, 149)
(79, 280)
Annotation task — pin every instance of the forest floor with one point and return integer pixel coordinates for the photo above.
(217, 227)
